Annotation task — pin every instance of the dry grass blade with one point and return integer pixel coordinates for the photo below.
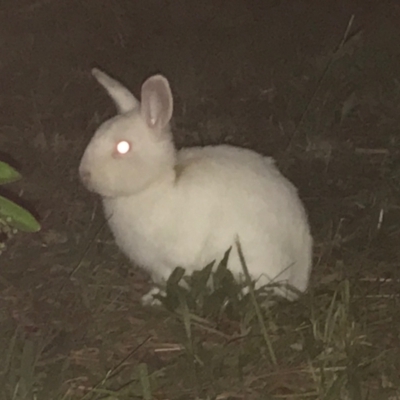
(335, 55)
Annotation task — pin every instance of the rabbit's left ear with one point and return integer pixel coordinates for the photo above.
(156, 102)
(124, 100)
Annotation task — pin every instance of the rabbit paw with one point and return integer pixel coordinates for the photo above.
(149, 300)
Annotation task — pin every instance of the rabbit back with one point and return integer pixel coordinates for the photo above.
(217, 193)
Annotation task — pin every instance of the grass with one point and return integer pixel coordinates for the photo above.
(223, 346)
(72, 326)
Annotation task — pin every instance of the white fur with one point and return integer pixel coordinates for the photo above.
(186, 208)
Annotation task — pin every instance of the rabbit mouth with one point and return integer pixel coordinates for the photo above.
(93, 186)
(87, 181)
(90, 187)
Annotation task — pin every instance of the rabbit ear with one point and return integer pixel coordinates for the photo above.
(156, 102)
(122, 97)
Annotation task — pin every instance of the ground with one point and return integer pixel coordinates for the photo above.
(316, 85)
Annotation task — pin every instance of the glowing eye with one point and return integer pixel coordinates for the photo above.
(123, 147)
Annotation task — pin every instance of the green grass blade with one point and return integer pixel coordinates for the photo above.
(17, 217)
(256, 305)
(8, 174)
(145, 381)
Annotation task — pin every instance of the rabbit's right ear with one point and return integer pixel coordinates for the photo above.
(124, 100)
(156, 102)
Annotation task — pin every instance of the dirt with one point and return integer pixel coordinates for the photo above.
(242, 73)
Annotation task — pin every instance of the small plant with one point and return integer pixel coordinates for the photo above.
(13, 218)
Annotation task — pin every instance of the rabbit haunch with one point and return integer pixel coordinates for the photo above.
(186, 208)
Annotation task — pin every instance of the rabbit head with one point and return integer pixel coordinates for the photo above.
(134, 149)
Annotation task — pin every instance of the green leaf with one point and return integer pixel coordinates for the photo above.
(173, 290)
(176, 276)
(199, 280)
(8, 174)
(17, 217)
(222, 273)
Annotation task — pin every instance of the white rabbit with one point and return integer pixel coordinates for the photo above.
(169, 208)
